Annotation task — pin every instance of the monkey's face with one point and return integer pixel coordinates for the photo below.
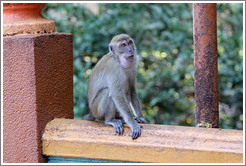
(126, 52)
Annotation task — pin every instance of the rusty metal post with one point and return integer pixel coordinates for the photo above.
(206, 65)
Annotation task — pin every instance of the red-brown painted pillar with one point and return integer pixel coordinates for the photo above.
(206, 65)
(37, 80)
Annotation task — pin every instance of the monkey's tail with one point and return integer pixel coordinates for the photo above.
(88, 117)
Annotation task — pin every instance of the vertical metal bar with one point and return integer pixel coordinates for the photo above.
(206, 65)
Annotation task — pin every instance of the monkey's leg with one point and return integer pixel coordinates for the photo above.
(106, 107)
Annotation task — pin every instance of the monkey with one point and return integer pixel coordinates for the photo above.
(111, 91)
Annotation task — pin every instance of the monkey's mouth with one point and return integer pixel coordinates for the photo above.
(130, 58)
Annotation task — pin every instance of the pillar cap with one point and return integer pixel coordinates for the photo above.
(25, 18)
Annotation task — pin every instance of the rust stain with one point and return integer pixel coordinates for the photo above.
(206, 65)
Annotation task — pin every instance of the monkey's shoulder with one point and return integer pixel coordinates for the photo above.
(108, 63)
(104, 61)
(110, 60)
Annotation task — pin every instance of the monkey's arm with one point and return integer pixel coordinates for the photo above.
(124, 108)
(136, 105)
(122, 105)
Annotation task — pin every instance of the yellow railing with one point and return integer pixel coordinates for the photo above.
(157, 144)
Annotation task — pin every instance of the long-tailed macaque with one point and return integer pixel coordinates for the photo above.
(111, 90)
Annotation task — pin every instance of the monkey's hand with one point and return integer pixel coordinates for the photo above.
(136, 131)
(140, 120)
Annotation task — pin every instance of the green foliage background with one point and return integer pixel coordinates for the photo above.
(164, 37)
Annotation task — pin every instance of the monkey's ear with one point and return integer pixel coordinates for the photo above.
(111, 50)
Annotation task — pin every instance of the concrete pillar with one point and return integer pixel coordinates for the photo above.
(37, 80)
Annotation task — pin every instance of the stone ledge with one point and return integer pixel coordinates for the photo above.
(157, 144)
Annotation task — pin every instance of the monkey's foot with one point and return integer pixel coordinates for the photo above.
(140, 120)
(88, 117)
(117, 124)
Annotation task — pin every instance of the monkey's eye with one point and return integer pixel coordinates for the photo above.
(130, 43)
(123, 45)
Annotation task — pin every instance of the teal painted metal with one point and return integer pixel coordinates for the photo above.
(55, 159)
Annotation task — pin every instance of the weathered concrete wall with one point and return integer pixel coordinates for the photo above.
(37, 87)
